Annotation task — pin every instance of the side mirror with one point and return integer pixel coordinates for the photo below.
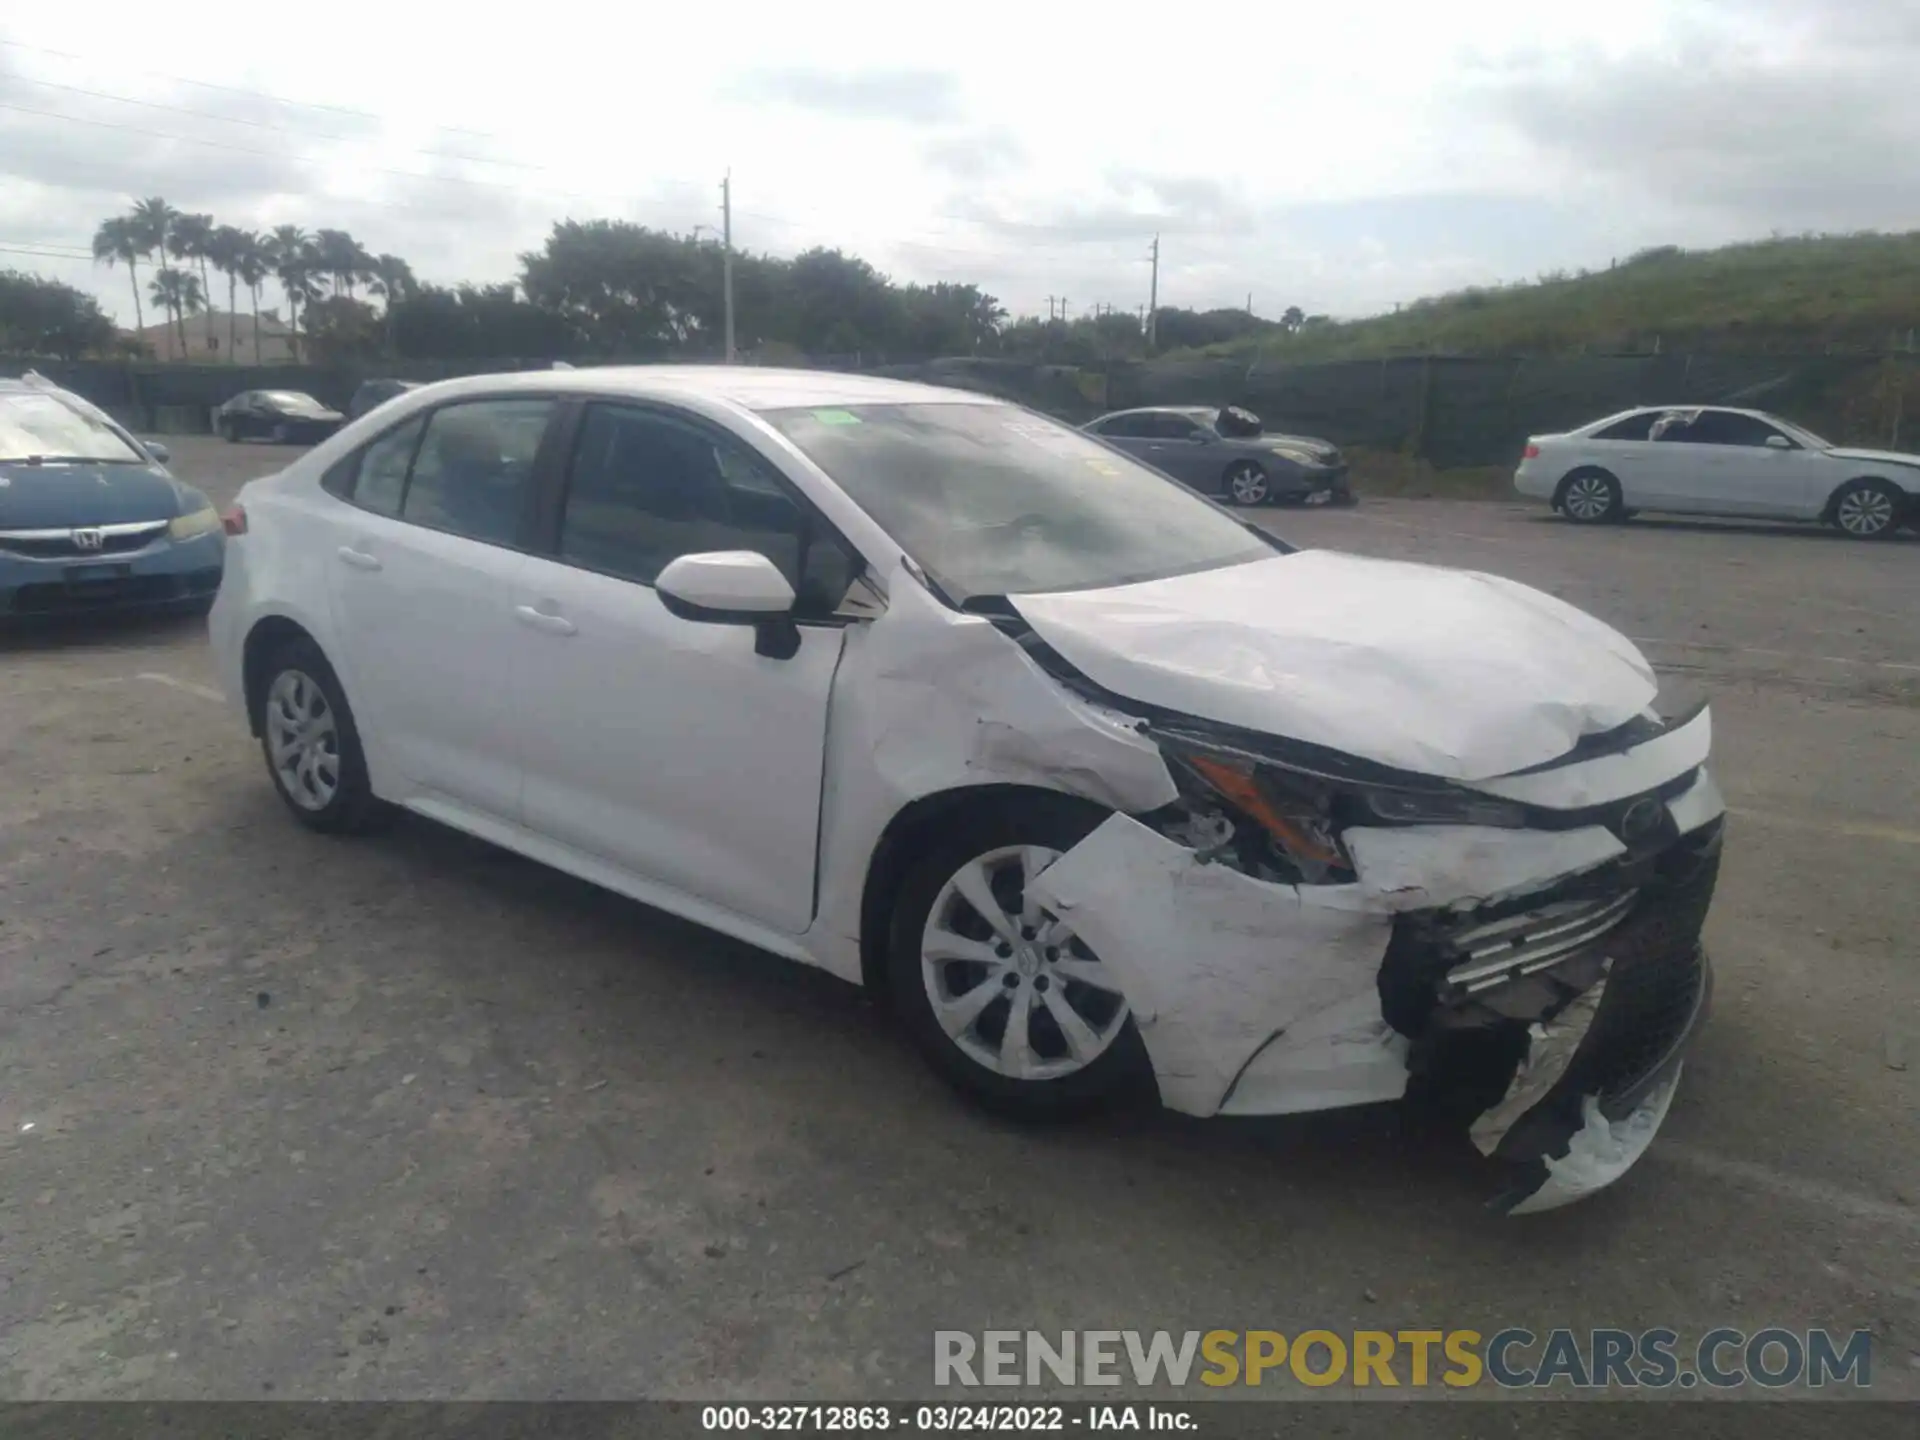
(158, 451)
(1779, 442)
(734, 587)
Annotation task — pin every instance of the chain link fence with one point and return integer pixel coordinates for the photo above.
(1449, 411)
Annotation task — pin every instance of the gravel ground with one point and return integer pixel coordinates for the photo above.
(409, 1117)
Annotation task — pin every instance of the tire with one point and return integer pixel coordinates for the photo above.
(932, 920)
(1867, 509)
(1245, 483)
(325, 785)
(280, 435)
(228, 432)
(1590, 497)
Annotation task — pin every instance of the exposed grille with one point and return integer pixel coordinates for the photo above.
(1501, 950)
(1649, 1006)
(59, 544)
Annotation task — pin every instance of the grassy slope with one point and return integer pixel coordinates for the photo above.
(1850, 292)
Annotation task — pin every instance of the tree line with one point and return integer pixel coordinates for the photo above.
(594, 289)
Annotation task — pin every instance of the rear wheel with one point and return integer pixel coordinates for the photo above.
(1246, 483)
(998, 993)
(1590, 497)
(1867, 509)
(310, 743)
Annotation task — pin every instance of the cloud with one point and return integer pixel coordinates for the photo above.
(974, 154)
(1776, 114)
(909, 96)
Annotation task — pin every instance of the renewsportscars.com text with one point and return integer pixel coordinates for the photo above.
(1511, 1359)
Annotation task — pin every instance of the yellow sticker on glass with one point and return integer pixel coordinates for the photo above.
(836, 417)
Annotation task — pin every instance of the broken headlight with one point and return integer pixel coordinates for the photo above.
(1285, 823)
(1440, 807)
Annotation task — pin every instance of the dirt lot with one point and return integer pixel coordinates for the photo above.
(410, 1117)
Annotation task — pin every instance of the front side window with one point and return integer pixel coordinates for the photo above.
(991, 500)
(645, 488)
(1724, 427)
(474, 468)
(37, 426)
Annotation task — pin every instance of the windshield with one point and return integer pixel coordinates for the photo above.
(45, 427)
(294, 400)
(990, 500)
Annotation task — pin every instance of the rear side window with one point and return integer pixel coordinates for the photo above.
(474, 468)
(1634, 427)
(375, 478)
(1126, 426)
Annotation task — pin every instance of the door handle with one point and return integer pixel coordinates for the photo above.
(542, 621)
(359, 559)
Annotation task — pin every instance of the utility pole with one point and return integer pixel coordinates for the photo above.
(726, 254)
(1063, 309)
(1249, 302)
(1050, 300)
(1153, 295)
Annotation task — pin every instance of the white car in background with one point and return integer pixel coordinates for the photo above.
(1708, 460)
(1092, 782)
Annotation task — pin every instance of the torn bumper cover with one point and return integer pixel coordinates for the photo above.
(1541, 985)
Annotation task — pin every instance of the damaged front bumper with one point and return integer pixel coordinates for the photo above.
(1540, 987)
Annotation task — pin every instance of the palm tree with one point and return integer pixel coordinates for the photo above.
(254, 263)
(223, 249)
(179, 292)
(294, 266)
(392, 277)
(188, 239)
(341, 258)
(116, 239)
(151, 219)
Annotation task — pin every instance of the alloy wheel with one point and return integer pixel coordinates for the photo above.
(1588, 497)
(1011, 985)
(1247, 484)
(303, 740)
(1864, 512)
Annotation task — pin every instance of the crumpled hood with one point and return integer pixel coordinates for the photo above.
(1449, 673)
(1882, 457)
(46, 497)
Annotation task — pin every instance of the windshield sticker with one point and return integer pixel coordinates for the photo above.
(1103, 467)
(836, 417)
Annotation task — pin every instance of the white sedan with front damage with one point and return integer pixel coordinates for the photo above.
(1094, 783)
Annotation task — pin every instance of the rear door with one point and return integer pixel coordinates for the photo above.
(424, 575)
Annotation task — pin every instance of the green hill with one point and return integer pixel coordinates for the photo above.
(1807, 294)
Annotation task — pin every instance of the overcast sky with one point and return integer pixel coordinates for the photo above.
(1338, 157)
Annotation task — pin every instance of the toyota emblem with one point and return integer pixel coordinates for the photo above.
(1641, 820)
(91, 538)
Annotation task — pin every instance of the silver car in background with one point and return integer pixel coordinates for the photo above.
(1708, 460)
(1224, 452)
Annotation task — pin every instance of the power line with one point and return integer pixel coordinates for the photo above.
(46, 253)
(242, 90)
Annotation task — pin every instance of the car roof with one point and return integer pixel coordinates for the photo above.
(747, 387)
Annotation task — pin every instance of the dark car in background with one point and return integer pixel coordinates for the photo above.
(373, 393)
(1225, 452)
(286, 417)
(89, 517)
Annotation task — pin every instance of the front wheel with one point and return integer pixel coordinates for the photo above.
(997, 992)
(1867, 509)
(1591, 497)
(1246, 484)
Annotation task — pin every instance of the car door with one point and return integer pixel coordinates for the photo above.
(1189, 452)
(241, 420)
(1720, 462)
(424, 569)
(1760, 470)
(665, 746)
(1624, 450)
(1128, 433)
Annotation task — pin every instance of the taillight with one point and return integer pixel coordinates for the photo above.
(1532, 453)
(234, 522)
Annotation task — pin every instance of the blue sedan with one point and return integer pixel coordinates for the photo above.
(90, 520)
